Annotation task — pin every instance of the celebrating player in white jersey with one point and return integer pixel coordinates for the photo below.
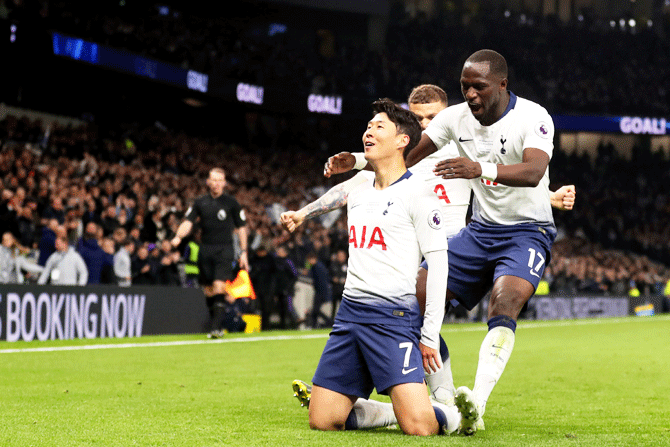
(378, 338)
(505, 144)
(426, 101)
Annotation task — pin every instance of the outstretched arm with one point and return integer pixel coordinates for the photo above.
(527, 173)
(420, 151)
(336, 197)
(182, 231)
(346, 161)
(564, 197)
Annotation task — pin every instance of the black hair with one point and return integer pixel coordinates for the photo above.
(406, 122)
(497, 63)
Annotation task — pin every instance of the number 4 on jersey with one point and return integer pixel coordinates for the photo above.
(441, 193)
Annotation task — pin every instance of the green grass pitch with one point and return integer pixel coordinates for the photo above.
(603, 382)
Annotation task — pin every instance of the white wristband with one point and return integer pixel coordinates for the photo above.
(361, 162)
(489, 170)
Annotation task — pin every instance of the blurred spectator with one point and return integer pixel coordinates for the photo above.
(191, 269)
(168, 265)
(47, 243)
(338, 273)
(323, 295)
(26, 224)
(123, 263)
(65, 266)
(263, 275)
(107, 275)
(287, 275)
(144, 267)
(12, 263)
(93, 255)
(54, 211)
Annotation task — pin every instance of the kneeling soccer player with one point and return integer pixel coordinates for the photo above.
(393, 220)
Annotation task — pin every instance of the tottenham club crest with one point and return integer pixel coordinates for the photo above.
(221, 215)
(435, 219)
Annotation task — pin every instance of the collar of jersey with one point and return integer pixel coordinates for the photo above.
(510, 106)
(405, 176)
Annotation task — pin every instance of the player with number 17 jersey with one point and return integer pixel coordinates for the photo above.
(524, 124)
(512, 227)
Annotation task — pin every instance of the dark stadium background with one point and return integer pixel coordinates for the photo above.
(589, 61)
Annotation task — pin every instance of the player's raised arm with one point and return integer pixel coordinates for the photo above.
(340, 163)
(527, 173)
(346, 161)
(336, 197)
(420, 151)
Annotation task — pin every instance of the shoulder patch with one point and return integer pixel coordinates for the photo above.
(542, 129)
(435, 219)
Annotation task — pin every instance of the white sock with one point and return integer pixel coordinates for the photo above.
(373, 414)
(441, 384)
(493, 356)
(452, 414)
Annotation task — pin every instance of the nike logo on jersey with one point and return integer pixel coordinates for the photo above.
(407, 371)
(462, 140)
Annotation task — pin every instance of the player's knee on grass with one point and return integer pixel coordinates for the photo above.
(328, 410)
(413, 410)
(419, 425)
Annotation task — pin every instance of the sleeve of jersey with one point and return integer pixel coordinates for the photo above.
(432, 238)
(439, 130)
(428, 220)
(436, 292)
(539, 132)
(192, 212)
(239, 217)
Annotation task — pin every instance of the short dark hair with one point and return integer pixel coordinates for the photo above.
(406, 122)
(497, 63)
(426, 94)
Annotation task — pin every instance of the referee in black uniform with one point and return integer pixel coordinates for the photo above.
(219, 216)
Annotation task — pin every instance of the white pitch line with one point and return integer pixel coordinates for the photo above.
(448, 329)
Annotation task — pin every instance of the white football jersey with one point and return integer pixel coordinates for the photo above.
(389, 230)
(453, 194)
(525, 124)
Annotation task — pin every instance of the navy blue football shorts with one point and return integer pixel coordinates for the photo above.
(479, 254)
(360, 357)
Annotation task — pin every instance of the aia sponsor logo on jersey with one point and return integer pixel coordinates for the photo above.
(357, 238)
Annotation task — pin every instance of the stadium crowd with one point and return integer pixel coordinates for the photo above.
(133, 194)
(559, 68)
(118, 191)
